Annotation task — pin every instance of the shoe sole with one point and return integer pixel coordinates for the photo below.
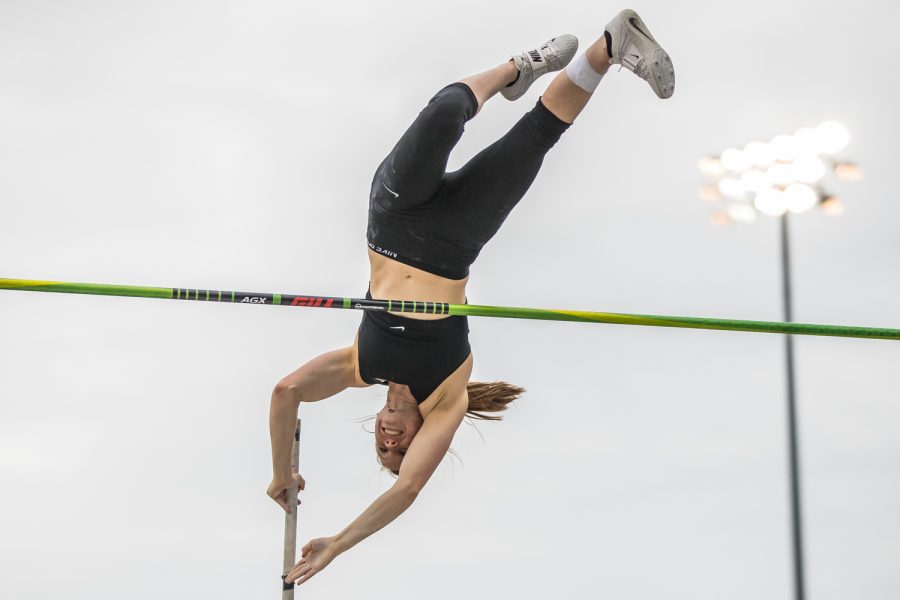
(662, 71)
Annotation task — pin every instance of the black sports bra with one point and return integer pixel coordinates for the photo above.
(414, 352)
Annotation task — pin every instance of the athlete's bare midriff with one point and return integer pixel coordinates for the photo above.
(393, 280)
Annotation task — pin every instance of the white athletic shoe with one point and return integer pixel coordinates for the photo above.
(552, 56)
(635, 49)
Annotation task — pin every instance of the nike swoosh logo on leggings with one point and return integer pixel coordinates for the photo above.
(396, 195)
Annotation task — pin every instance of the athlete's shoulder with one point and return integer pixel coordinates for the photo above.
(453, 393)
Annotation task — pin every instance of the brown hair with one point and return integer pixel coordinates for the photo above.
(490, 398)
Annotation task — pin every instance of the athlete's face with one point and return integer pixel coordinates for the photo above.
(394, 432)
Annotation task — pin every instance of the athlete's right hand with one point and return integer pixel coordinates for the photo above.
(278, 491)
(316, 556)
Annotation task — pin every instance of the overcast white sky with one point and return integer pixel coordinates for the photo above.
(230, 145)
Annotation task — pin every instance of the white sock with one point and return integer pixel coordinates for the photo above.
(583, 74)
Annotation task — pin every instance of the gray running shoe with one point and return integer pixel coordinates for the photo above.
(635, 49)
(552, 56)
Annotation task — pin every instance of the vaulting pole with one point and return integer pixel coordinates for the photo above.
(290, 521)
(441, 308)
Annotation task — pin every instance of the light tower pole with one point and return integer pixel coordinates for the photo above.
(793, 443)
(778, 178)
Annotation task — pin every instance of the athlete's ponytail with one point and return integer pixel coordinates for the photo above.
(490, 398)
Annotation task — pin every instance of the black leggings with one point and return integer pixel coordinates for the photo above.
(425, 217)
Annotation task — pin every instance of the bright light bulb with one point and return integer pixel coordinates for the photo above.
(848, 171)
(711, 165)
(832, 206)
(781, 173)
(785, 147)
(709, 193)
(809, 169)
(771, 202)
(800, 197)
(832, 137)
(742, 213)
(732, 188)
(720, 217)
(735, 160)
(759, 153)
(755, 180)
(807, 140)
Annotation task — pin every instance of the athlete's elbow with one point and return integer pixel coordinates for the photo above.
(286, 392)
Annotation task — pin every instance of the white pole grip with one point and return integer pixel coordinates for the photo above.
(290, 521)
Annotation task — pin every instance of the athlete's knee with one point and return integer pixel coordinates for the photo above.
(444, 116)
(455, 104)
(542, 127)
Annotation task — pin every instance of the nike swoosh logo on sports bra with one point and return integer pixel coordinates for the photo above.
(634, 24)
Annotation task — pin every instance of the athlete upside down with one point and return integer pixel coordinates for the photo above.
(426, 228)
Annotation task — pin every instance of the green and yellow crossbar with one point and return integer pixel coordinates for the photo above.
(442, 308)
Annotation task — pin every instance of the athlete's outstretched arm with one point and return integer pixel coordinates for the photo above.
(422, 458)
(320, 378)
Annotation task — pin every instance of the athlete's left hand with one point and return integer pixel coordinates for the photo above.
(317, 554)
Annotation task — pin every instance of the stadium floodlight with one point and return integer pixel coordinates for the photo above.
(777, 179)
